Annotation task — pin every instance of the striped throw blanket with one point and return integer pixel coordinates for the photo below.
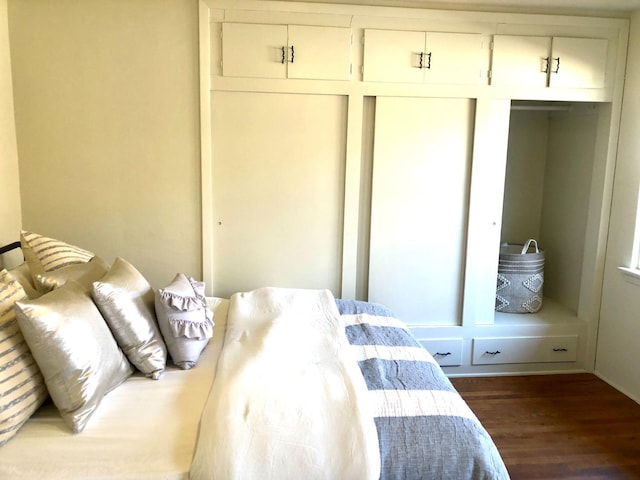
(425, 429)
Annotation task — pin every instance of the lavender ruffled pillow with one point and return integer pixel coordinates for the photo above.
(185, 320)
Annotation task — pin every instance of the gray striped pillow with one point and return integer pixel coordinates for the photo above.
(22, 387)
(44, 254)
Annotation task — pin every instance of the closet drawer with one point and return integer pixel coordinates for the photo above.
(446, 351)
(524, 349)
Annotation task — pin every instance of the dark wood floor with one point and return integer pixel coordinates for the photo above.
(558, 426)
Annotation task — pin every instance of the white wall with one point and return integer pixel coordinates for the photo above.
(618, 354)
(524, 183)
(10, 211)
(106, 107)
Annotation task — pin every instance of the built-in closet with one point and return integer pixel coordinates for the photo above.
(385, 154)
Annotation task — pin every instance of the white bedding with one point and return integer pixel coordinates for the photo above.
(269, 417)
(144, 429)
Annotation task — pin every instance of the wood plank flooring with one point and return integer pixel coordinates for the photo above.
(558, 426)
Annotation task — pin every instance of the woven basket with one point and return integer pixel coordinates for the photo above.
(520, 278)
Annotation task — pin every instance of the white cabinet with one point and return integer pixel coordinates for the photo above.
(446, 351)
(407, 175)
(525, 350)
(286, 51)
(557, 62)
(419, 207)
(419, 57)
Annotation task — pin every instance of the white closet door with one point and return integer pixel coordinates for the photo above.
(278, 190)
(422, 160)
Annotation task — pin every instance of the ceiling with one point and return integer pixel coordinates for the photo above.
(613, 5)
(614, 8)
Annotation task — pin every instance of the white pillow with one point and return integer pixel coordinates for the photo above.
(22, 387)
(75, 351)
(125, 299)
(22, 274)
(83, 273)
(44, 254)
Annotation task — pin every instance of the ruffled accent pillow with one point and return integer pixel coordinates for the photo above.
(75, 350)
(185, 319)
(22, 387)
(125, 299)
(44, 254)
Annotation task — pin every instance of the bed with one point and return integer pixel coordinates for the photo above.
(292, 383)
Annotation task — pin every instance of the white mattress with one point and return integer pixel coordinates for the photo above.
(144, 429)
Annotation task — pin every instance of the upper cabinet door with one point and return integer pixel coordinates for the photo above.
(563, 62)
(520, 60)
(578, 62)
(393, 56)
(253, 50)
(419, 57)
(286, 51)
(454, 58)
(321, 53)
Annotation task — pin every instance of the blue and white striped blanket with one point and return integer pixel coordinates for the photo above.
(425, 429)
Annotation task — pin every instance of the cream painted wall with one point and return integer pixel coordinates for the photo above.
(618, 353)
(106, 107)
(10, 211)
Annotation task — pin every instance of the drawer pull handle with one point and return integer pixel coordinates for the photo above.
(493, 353)
(284, 56)
(440, 354)
(560, 350)
(424, 64)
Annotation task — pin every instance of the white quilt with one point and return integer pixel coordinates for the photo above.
(288, 400)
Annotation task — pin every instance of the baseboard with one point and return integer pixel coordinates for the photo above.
(617, 387)
(517, 373)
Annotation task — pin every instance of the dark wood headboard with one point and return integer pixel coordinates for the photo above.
(8, 248)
